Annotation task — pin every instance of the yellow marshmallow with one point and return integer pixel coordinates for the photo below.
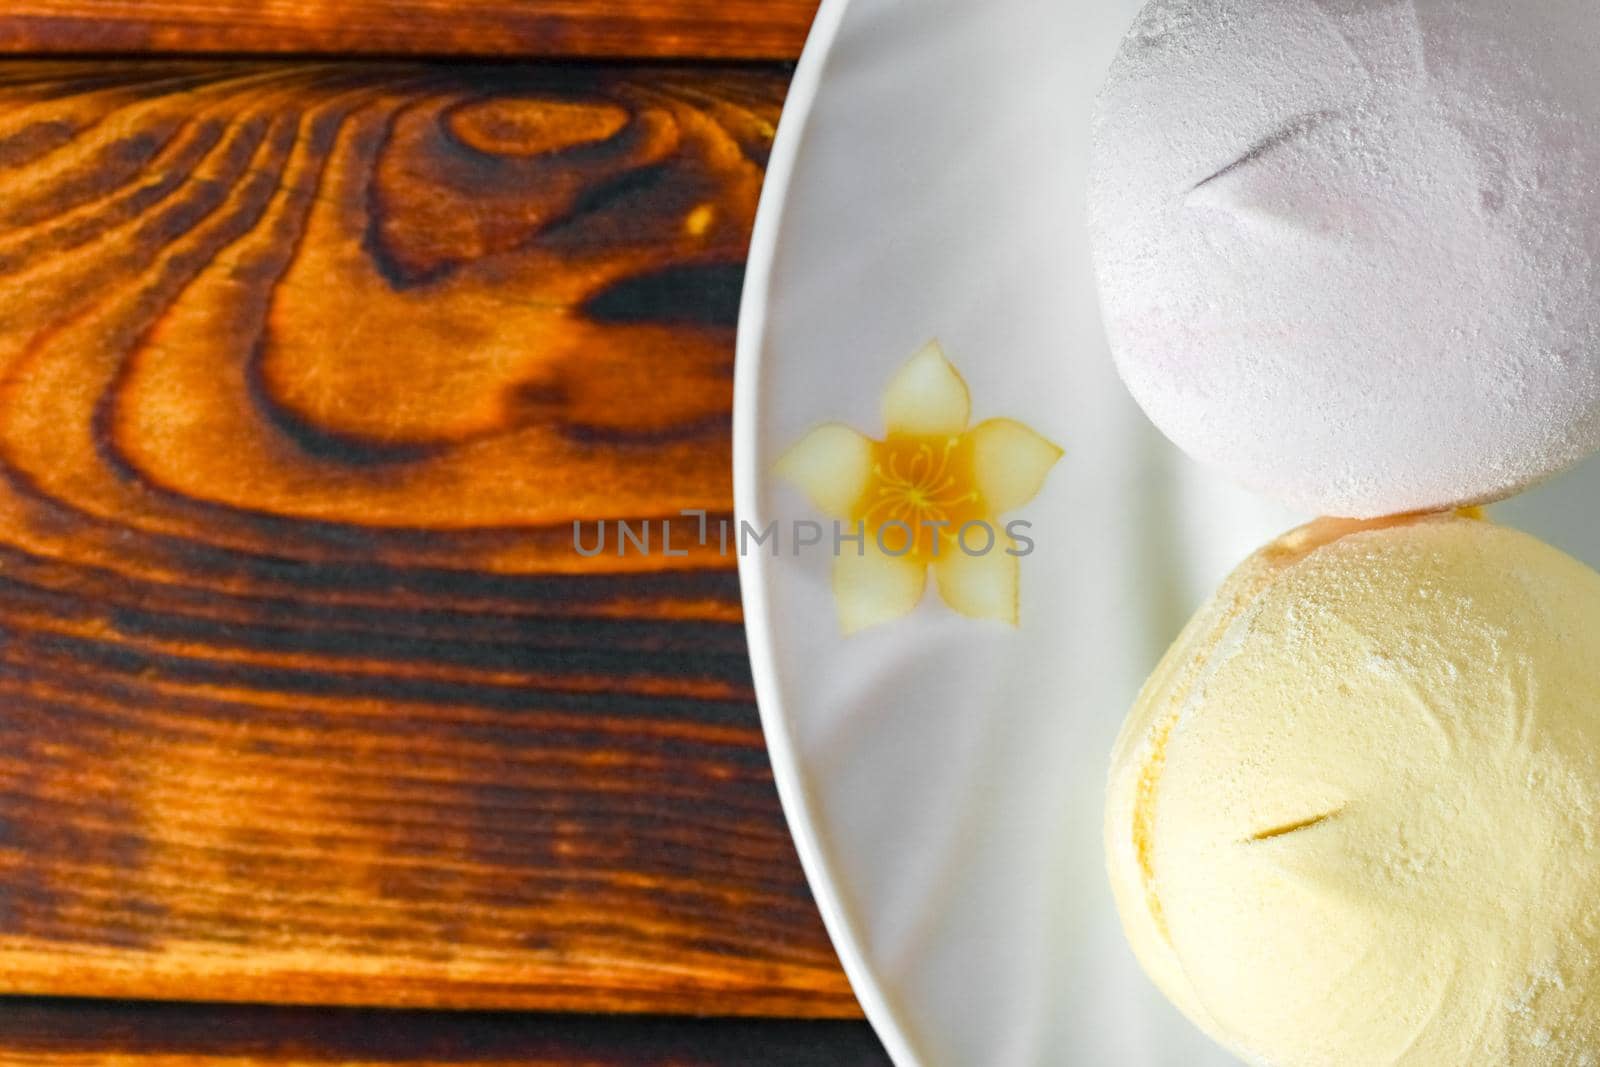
(1352, 818)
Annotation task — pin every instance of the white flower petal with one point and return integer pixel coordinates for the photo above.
(1009, 463)
(981, 587)
(833, 465)
(927, 398)
(874, 587)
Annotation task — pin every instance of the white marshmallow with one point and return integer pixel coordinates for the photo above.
(1347, 249)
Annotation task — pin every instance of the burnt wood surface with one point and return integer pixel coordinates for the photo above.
(52, 1033)
(699, 29)
(306, 372)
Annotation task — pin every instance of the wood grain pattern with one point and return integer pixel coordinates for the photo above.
(721, 29)
(305, 374)
(71, 1033)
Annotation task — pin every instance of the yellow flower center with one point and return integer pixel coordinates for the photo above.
(921, 489)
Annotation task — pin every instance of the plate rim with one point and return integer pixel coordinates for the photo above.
(749, 354)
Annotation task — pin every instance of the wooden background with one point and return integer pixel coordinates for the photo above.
(681, 29)
(307, 367)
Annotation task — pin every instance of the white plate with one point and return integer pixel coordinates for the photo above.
(942, 776)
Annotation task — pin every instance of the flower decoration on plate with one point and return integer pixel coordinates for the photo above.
(926, 497)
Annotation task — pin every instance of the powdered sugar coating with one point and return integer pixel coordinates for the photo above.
(1347, 249)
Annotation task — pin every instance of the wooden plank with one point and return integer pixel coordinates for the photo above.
(68, 1033)
(722, 29)
(306, 373)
